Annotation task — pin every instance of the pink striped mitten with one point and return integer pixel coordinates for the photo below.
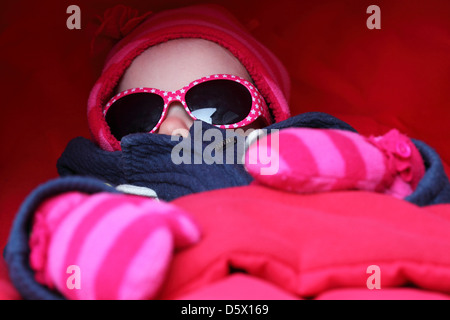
(107, 246)
(308, 160)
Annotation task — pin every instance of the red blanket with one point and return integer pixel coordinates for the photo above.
(373, 79)
(306, 245)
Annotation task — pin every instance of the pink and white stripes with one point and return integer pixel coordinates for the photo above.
(315, 160)
(122, 245)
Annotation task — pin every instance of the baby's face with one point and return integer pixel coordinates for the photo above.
(172, 65)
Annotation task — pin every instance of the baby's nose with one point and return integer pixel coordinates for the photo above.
(177, 122)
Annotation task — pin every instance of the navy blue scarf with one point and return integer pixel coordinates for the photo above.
(146, 161)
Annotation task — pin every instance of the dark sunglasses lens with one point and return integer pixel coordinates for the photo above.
(137, 112)
(219, 101)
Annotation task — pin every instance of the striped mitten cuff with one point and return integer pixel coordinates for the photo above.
(106, 246)
(308, 160)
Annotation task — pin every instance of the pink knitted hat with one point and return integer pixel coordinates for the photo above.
(210, 22)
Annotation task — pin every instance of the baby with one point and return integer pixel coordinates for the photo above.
(168, 71)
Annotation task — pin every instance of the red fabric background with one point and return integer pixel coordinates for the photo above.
(374, 79)
(310, 244)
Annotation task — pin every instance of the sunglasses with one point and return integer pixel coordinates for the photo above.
(223, 100)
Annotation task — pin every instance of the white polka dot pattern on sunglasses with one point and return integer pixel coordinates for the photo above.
(258, 108)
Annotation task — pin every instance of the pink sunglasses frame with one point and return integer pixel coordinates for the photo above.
(259, 107)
